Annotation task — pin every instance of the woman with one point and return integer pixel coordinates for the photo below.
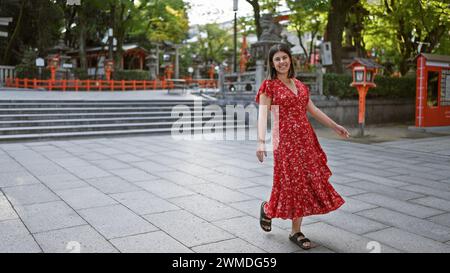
(300, 181)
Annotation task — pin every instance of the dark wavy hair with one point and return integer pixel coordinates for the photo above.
(272, 73)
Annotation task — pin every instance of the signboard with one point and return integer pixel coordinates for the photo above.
(67, 65)
(3, 34)
(40, 62)
(325, 52)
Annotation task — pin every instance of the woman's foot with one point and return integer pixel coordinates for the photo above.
(300, 239)
(264, 221)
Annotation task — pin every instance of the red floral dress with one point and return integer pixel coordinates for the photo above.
(300, 180)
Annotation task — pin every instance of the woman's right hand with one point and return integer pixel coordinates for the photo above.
(261, 152)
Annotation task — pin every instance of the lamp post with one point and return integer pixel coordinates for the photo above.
(364, 72)
(235, 9)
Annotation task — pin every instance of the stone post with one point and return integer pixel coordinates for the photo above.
(221, 79)
(259, 76)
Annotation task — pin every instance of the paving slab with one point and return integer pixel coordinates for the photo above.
(379, 180)
(17, 179)
(110, 164)
(353, 205)
(219, 193)
(396, 193)
(206, 208)
(443, 219)
(248, 229)
(228, 181)
(29, 194)
(48, 216)
(398, 205)
(88, 172)
(433, 202)
(152, 167)
(152, 242)
(86, 197)
(116, 221)
(143, 202)
(112, 184)
(408, 223)
(133, 175)
(176, 223)
(164, 188)
(181, 178)
(350, 222)
(408, 242)
(6, 210)
(228, 246)
(342, 241)
(81, 239)
(236, 171)
(423, 190)
(15, 238)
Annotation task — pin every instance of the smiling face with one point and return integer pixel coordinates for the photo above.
(281, 62)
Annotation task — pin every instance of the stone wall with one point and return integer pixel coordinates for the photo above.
(345, 112)
(377, 111)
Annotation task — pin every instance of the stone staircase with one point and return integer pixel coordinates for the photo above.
(55, 119)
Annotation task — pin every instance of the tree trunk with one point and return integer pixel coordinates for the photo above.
(300, 39)
(119, 33)
(82, 41)
(257, 16)
(335, 28)
(7, 55)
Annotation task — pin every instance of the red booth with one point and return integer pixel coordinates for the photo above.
(433, 90)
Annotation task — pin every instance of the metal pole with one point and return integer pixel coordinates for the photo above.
(177, 70)
(235, 44)
(157, 60)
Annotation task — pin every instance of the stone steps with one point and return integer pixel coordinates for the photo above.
(47, 119)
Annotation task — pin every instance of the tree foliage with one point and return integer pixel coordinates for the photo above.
(308, 17)
(40, 24)
(402, 27)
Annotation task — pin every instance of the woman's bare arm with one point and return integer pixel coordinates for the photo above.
(264, 105)
(325, 120)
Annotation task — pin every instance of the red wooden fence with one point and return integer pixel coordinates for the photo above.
(102, 85)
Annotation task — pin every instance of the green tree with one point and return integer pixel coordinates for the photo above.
(307, 17)
(214, 45)
(337, 17)
(402, 27)
(36, 24)
(167, 20)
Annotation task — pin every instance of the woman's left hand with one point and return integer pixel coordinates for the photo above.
(341, 131)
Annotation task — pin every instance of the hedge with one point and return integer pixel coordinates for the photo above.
(137, 75)
(27, 72)
(338, 85)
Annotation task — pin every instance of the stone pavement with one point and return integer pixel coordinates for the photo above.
(157, 194)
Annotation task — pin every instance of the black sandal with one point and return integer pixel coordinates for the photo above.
(264, 221)
(300, 242)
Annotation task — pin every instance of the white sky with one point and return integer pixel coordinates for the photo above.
(216, 11)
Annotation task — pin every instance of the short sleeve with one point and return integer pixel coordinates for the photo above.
(305, 88)
(266, 89)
